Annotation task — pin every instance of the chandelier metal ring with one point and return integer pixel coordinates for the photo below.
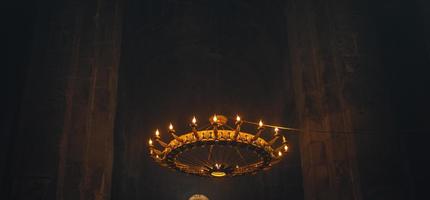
(257, 153)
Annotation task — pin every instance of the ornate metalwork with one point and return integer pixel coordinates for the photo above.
(219, 150)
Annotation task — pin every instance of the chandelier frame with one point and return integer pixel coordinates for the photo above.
(221, 135)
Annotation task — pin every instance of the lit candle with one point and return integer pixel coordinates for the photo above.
(157, 134)
(150, 142)
(286, 148)
(215, 119)
(276, 129)
(158, 138)
(238, 123)
(194, 121)
(170, 127)
(260, 131)
(279, 153)
(194, 127)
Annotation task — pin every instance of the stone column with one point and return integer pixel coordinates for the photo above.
(64, 145)
(347, 147)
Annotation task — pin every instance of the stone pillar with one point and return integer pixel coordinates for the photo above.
(347, 147)
(64, 145)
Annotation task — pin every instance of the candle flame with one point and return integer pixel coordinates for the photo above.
(215, 119)
(237, 118)
(170, 126)
(150, 142)
(260, 124)
(279, 153)
(276, 130)
(286, 148)
(194, 120)
(157, 133)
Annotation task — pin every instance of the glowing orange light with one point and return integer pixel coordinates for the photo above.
(217, 134)
(218, 174)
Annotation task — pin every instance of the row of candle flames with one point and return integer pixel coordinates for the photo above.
(214, 121)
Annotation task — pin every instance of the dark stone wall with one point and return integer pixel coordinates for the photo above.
(184, 58)
(62, 147)
(326, 60)
(404, 29)
(352, 74)
(347, 58)
(16, 37)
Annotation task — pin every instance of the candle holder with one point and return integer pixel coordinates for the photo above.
(219, 150)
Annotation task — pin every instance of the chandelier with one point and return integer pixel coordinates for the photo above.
(218, 149)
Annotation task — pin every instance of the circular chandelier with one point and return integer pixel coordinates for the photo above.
(219, 150)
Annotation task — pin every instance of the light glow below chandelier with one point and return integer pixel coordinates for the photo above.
(219, 150)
